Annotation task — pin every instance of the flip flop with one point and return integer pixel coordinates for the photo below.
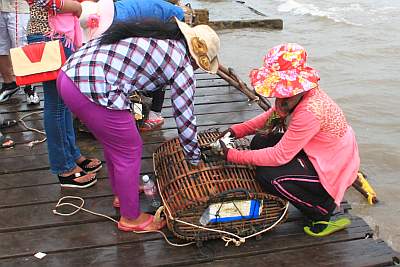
(332, 226)
(4, 139)
(8, 123)
(84, 165)
(140, 227)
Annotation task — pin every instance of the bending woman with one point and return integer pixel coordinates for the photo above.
(109, 13)
(98, 79)
(316, 159)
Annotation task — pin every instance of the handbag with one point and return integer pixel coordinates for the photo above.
(37, 62)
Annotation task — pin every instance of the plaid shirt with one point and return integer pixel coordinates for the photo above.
(108, 74)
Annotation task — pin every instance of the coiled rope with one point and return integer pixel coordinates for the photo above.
(227, 236)
(80, 207)
(34, 142)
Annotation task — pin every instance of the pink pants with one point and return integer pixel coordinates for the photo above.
(117, 132)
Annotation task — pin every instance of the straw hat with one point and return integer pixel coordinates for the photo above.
(203, 43)
(96, 18)
(284, 73)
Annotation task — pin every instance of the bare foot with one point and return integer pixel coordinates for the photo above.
(85, 178)
(116, 202)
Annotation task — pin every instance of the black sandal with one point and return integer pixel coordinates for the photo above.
(85, 166)
(68, 181)
(4, 139)
(8, 123)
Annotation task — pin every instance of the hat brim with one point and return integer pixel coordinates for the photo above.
(105, 10)
(189, 32)
(284, 84)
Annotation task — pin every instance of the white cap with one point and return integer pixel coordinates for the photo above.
(145, 178)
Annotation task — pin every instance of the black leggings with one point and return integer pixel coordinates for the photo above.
(296, 181)
(157, 100)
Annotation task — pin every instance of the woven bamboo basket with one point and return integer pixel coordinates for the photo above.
(187, 191)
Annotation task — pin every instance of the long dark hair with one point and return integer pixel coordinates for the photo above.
(146, 28)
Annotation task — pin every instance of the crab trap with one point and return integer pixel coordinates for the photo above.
(215, 199)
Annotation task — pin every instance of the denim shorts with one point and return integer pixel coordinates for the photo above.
(8, 32)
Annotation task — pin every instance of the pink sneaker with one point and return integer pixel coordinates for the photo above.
(151, 124)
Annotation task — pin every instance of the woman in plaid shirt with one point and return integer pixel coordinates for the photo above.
(96, 81)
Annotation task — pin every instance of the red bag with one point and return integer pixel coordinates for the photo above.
(37, 62)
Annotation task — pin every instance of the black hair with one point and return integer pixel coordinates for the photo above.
(147, 28)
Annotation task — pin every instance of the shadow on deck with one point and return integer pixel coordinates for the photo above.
(28, 194)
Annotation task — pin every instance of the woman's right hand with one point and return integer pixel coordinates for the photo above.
(229, 130)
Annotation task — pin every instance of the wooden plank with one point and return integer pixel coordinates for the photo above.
(32, 162)
(25, 242)
(49, 193)
(30, 215)
(275, 24)
(157, 252)
(200, 100)
(35, 178)
(40, 216)
(167, 112)
(18, 102)
(360, 252)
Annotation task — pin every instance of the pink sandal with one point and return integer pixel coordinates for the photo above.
(142, 226)
(151, 125)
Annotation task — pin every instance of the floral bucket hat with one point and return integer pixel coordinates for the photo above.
(284, 73)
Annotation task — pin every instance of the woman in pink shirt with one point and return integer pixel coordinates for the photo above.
(303, 147)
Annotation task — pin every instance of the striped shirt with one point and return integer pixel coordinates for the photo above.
(108, 74)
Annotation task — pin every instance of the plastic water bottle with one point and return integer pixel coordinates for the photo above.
(150, 191)
(205, 217)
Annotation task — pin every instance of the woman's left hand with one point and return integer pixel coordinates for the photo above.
(224, 149)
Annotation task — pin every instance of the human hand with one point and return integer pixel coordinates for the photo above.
(71, 6)
(229, 130)
(224, 148)
(78, 10)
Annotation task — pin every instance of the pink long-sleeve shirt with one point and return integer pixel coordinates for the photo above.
(319, 127)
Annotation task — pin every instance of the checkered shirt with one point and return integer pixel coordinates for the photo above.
(108, 74)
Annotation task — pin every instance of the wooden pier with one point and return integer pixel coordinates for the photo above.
(28, 194)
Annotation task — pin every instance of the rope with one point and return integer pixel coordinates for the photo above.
(80, 207)
(34, 142)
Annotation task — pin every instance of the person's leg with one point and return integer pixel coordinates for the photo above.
(154, 120)
(307, 194)
(122, 147)
(5, 45)
(89, 165)
(297, 181)
(5, 141)
(32, 97)
(9, 86)
(157, 100)
(60, 157)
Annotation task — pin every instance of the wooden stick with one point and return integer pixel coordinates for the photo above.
(229, 76)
